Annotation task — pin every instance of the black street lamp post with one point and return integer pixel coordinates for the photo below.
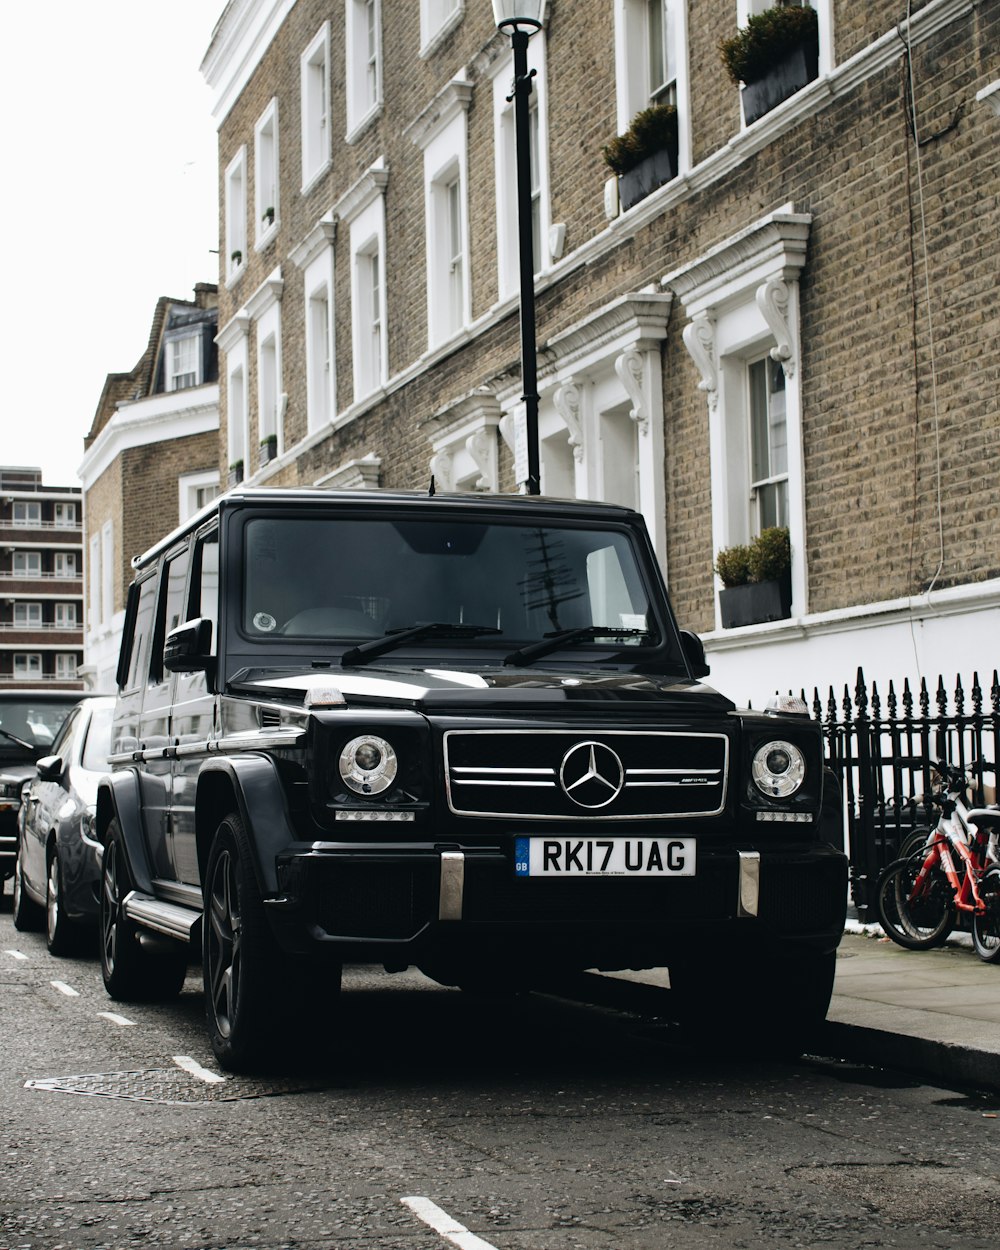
(521, 18)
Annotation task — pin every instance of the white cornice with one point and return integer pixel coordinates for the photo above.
(267, 294)
(773, 247)
(637, 320)
(323, 234)
(241, 37)
(449, 103)
(368, 188)
(158, 419)
(235, 329)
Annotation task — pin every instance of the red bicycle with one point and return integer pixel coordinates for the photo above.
(954, 868)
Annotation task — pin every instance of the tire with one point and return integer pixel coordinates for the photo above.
(986, 928)
(27, 915)
(774, 1013)
(62, 937)
(913, 842)
(916, 924)
(258, 1004)
(131, 974)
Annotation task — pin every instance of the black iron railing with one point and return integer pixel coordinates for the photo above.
(883, 754)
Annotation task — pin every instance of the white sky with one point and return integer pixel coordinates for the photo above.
(109, 182)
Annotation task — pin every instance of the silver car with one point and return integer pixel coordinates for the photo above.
(58, 864)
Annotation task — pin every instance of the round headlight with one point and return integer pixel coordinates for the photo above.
(778, 769)
(368, 765)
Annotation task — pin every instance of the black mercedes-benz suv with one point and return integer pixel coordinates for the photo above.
(458, 732)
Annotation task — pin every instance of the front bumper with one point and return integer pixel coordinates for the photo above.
(395, 904)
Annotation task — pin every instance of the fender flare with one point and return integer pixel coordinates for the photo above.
(119, 796)
(260, 801)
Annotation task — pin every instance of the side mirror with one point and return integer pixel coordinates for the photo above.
(188, 648)
(694, 653)
(49, 768)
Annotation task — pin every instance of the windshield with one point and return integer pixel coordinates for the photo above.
(32, 721)
(352, 579)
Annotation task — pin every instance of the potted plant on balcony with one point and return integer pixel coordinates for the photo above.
(236, 473)
(756, 579)
(267, 217)
(236, 257)
(645, 156)
(773, 56)
(268, 448)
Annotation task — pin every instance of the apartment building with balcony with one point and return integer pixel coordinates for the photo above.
(797, 324)
(41, 582)
(150, 460)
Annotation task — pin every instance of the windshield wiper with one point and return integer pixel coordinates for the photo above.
(397, 637)
(28, 746)
(552, 642)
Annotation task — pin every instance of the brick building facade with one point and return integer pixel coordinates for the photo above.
(41, 582)
(800, 325)
(150, 461)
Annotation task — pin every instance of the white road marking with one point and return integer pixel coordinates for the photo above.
(442, 1223)
(195, 1068)
(115, 1018)
(16, 954)
(63, 988)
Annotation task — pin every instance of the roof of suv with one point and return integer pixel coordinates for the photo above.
(305, 496)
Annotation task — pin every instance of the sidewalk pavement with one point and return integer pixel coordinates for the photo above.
(933, 1013)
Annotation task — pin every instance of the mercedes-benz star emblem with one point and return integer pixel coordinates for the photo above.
(591, 774)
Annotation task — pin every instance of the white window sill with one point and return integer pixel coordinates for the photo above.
(315, 176)
(267, 236)
(369, 119)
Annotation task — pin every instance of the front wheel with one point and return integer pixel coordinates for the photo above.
(986, 928)
(26, 913)
(62, 937)
(916, 913)
(131, 973)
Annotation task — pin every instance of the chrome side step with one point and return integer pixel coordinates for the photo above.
(166, 918)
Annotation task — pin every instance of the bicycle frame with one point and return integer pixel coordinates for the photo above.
(957, 833)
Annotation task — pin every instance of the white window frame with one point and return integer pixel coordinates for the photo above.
(190, 489)
(27, 664)
(30, 562)
(320, 369)
(66, 664)
(741, 301)
(364, 65)
(505, 170)
(315, 87)
(30, 511)
(824, 17)
(362, 209)
(64, 564)
(95, 615)
(438, 18)
(176, 370)
(107, 571)
(632, 59)
(64, 515)
(234, 341)
(31, 613)
(65, 616)
(444, 141)
(236, 215)
(266, 182)
(264, 310)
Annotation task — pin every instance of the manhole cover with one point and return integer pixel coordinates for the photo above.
(166, 1085)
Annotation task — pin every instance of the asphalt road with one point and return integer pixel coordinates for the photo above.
(442, 1121)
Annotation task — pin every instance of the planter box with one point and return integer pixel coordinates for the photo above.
(268, 452)
(783, 80)
(235, 475)
(649, 174)
(756, 602)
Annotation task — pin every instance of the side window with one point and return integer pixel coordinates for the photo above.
(205, 583)
(138, 662)
(65, 734)
(171, 614)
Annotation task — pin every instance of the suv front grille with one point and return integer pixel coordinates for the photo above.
(606, 775)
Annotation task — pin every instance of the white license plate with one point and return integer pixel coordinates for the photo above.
(604, 857)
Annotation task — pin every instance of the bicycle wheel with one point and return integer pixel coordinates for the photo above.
(917, 921)
(986, 928)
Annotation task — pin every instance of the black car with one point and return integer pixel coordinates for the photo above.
(58, 862)
(458, 732)
(29, 722)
